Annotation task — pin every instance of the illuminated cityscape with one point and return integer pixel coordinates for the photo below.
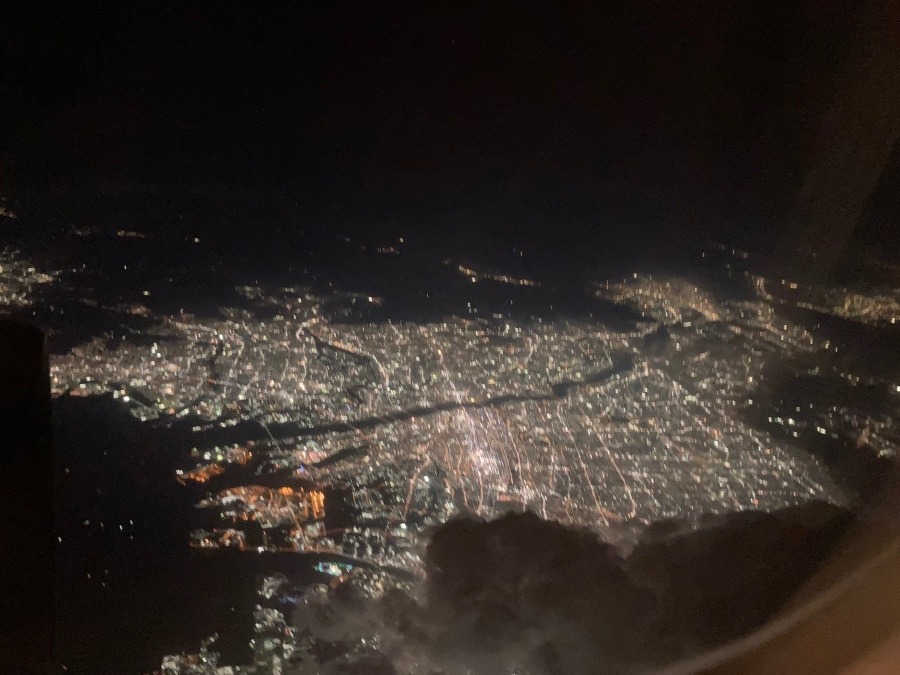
(579, 423)
(400, 425)
(19, 280)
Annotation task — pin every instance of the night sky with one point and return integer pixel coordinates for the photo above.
(634, 122)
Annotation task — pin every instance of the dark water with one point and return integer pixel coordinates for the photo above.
(148, 594)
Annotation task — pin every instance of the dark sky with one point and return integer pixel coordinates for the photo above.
(658, 111)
